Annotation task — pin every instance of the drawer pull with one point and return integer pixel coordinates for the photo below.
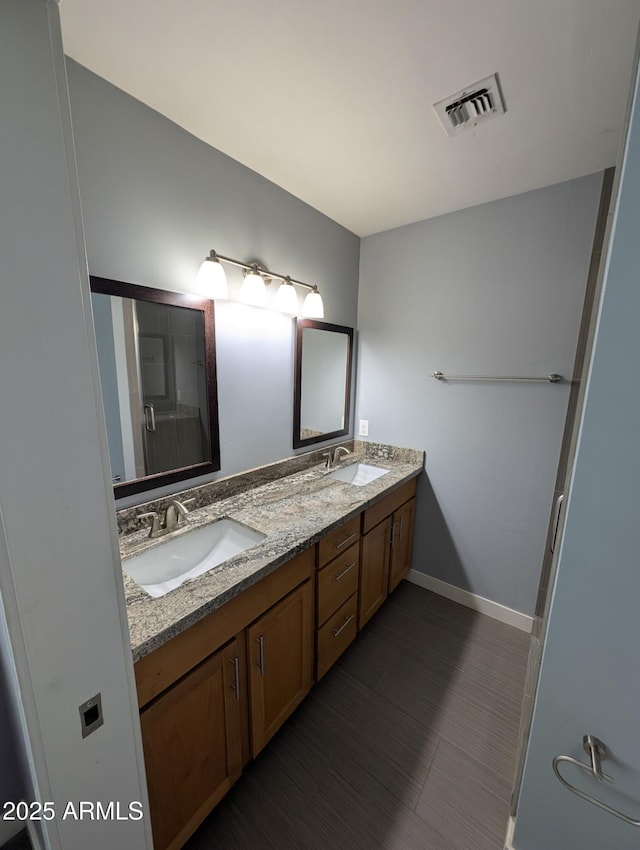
(344, 572)
(260, 661)
(336, 632)
(346, 540)
(236, 674)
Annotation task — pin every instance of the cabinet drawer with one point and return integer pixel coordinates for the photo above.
(335, 542)
(336, 635)
(337, 582)
(376, 513)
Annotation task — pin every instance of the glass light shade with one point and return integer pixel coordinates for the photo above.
(313, 308)
(286, 300)
(211, 281)
(253, 290)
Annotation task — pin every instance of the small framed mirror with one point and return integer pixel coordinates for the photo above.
(322, 382)
(156, 354)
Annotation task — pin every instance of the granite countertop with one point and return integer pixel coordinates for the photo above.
(294, 512)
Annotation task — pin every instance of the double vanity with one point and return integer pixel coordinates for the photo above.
(256, 593)
(243, 592)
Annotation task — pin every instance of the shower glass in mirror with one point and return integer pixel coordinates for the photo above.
(156, 354)
(322, 386)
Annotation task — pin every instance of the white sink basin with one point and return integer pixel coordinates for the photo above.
(169, 564)
(358, 474)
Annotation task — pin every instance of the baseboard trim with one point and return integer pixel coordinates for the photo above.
(471, 600)
(511, 825)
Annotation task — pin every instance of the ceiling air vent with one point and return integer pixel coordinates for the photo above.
(478, 102)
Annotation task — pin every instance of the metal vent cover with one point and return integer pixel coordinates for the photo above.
(473, 104)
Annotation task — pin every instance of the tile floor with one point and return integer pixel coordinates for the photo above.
(408, 743)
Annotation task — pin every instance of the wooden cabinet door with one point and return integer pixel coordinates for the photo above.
(374, 571)
(280, 653)
(402, 544)
(193, 746)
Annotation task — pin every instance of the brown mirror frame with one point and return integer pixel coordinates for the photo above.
(105, 286)
(301, 324)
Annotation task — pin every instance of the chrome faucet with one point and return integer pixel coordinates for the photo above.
(174, 516)
(333, 456)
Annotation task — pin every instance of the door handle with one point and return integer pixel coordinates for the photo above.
(597, 753)
(149, 417)
(556, 521)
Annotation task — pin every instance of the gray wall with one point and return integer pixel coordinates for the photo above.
(155, 200)
(60, 574)
(589, 675)
(496, 289)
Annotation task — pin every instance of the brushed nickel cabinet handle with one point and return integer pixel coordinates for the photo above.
(336, 632)
(344, 572)
(260, 662)
(236, 674)
(346, 540)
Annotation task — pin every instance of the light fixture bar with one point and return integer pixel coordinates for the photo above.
(250, 267)
(211, 279)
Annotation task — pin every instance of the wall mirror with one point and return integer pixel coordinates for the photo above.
(156, 354)
(322, 382)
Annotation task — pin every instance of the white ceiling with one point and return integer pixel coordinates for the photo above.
(333, 100)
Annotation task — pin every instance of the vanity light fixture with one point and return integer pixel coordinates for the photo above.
(286, 300)
(313, 308)
(211, 280)
(253, 290)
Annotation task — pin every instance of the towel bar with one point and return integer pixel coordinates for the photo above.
(554, 378)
